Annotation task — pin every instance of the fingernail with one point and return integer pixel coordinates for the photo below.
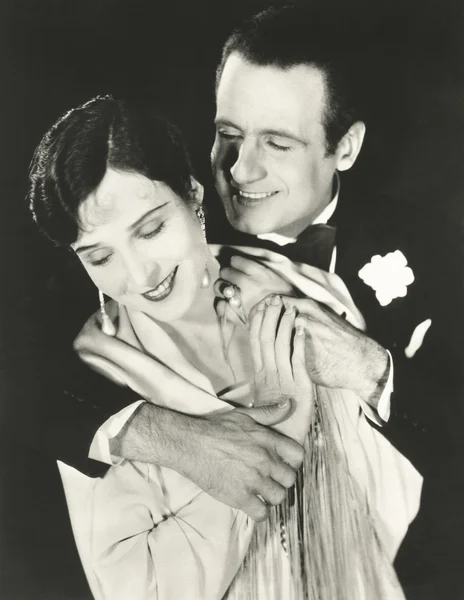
(300, 330)
(261, 306)
(284, 402)
(268, 300)
(275, 300)
(288, 309)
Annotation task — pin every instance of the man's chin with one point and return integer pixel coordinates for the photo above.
(246, 225)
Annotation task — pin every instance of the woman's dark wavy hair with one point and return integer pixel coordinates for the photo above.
(73, 156)
(297, 34)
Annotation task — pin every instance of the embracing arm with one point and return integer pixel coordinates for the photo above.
(55, 403)
(425, 421)
(234, 456)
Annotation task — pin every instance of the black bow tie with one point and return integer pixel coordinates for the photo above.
(314, 246)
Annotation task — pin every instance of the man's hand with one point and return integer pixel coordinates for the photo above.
(338, 355)
(234, 456)
(252, 281)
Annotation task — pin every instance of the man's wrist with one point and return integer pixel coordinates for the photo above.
(376, 363)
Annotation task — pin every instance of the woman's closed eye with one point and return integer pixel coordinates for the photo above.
(149, 231)
(99, 261)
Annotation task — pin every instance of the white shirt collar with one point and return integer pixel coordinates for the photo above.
(321, 219)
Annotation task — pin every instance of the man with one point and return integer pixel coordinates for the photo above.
(286, 123)
(81, 415)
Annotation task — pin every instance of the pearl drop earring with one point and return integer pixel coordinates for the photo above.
(206, 279)
(107, 326)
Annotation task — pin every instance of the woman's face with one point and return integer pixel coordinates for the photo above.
(142, 245)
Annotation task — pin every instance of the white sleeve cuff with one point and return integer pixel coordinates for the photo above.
(100, 446)
(382, 414)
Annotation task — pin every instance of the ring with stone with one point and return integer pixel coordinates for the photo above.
(235, 302)
(229, 292)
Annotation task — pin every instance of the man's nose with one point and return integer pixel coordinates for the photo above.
(249, 166)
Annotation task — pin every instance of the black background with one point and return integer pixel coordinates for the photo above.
(56, 54)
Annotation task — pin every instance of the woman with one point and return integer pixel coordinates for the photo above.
(117, 187)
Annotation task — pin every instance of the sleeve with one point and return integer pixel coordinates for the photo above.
(426, 419)
(100, 448)
(160, 537)
(381, 415)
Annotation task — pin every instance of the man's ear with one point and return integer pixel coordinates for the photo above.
(350, 146)
(197, 192)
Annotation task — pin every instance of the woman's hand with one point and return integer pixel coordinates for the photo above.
(280, 369)
(247, 281)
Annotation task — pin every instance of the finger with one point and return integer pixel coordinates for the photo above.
(283, 474)
(302, 305)
(255, 508)
(246, 265)
(264, 254)
(271, 491)
(299, 366)
(283, 350)
(305, 322)
(289, 451)
(225, 311)
(269, 414)
(233, 276)
(256, 319)
(268, 335)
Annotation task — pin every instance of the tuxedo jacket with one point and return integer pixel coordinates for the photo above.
(426, 404)
(426, 422)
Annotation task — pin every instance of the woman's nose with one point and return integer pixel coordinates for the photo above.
(249, 166)
(142, 271)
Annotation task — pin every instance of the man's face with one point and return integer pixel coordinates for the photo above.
(269, 155)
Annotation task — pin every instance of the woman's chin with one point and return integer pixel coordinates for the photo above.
(171, 308)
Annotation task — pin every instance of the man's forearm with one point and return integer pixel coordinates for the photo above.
(152, 434)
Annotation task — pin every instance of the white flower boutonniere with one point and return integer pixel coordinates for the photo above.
(388, 276)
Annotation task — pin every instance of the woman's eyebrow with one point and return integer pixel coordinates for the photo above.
(81, 249)
(149, 213)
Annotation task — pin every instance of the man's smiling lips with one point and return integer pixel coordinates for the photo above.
(163, 289)
(250, 198)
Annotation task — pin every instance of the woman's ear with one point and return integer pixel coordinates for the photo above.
(197, 192)
(350, 146)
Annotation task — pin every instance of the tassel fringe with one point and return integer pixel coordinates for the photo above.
(321, 542)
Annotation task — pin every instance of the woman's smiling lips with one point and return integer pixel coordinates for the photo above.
(163, 289)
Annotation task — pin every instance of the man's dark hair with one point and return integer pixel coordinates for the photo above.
(288, 36)
(73, 156)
